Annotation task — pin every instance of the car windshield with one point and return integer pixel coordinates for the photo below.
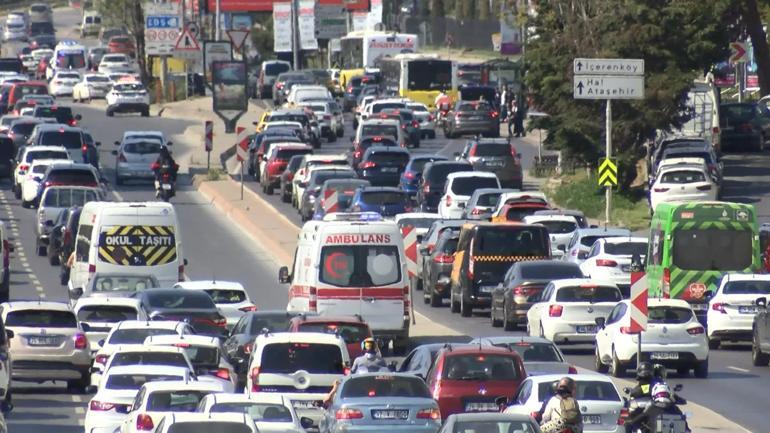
(669, 315)
(385, 386)
(360, 265)
(122, 284)
(350, 332)
(41, 319)
(226, 296)
(389, 158)
(142, 147)
(173, 359)
(480, 367)
(259, 412)
(682, 176)
(704, 249)
(276, 68)
(23, 128)
(68, 139)
(747, 287)
(137, 335)
(209, 427)
(464, 186)
(174, 401)
(589, 390)
(376, 141)
(588, 293)
(534, 352)
(106, 313)
(449, 246)
(736, 113)
(379, 130)
(417, 164)
(135, 381)
(558, 227)
(315, 358)
(179, 299)
(511, 241)
(383, 198)
(626, 248)
(491, 149)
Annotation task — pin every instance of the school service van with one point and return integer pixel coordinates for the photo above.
(128, 238)
(353, 263)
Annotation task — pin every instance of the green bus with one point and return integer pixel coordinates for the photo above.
(693, 244)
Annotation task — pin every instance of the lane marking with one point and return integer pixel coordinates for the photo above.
(738, 369)
(118, 195)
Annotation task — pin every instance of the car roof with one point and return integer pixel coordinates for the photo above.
(380, 122)
(174, 339)
(45, 148)
(133, 348)
(329, 157)
(558, 284)
(150, 324)
(61, 164)
(577, 377)
(106, 300)
(171, 385)
(302, 337)
(621, 239)
(210, 284)
(142, 369)
(261, 397)
(469, 173)
(382, 189)
(35, 305)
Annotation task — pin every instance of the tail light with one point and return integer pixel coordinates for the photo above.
(408, 209)
(218, 321)
(91, 271)
(223, 373)
(312, 299)
(623, 415)
(248, 308)
(248, 347)
(346, 371)
(403, 126)
(443, 258)
(67, 236)
(660, 189)
(625, 330)
(520, 291)
(719, 306)
(415, 124)
(696, 330)
(73, 122)
(458, 115)
(367, 164)
(555, 310)
(476, 211)
(448, 200)
(472, 152)
(154, 166)
(407, 304)
(431, 118)
(357, 154)
(409, 175)
(426, 187)
(327, 117)
(23, 168)
(432, 413)
(572, 370)
(703, 188)
(493, 114)
(279, 85)
(347, 413)
(81, 342)
(84, 148)
(100, 406)
(255, 379)
(180, 273)
(666, 283)
(101, 359)
(514, 154)
(144, 422)
(606, 262)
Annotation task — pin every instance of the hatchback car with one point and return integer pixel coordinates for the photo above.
(459, 188)
(476, 117)
(312, 188)
(732, 307)
(744, 126)
(437, 268)
(68, 173)
(62, 82)
(382, 166)
(409, 124)
(497, 156)
(410, 178)
(352, 329)
(583, 239)
(270, 412)
(98, 315)
(385, 200)
(560, 228)
(135, 158)
(685, 182)
(230, 297)
(92, 86)
(610, 260)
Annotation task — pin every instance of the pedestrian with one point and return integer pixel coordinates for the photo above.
(518, 122)
(503, 103)
(512, 112)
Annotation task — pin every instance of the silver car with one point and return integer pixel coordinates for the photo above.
(490, 422)
(53, 201)
(376, 402)
(583, 239)
(135, 158)
(540, 356)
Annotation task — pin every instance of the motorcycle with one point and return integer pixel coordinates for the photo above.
(654, 417)
(165, 187)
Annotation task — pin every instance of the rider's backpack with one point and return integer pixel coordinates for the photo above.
(570, 412)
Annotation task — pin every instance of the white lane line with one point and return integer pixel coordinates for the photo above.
(741, 370)
(118, 195)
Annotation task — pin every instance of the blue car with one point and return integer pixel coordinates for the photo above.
(387, 201)
(410, 178)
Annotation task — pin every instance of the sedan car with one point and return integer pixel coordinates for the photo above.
(583, 239)
(386, 401)
(685, 182)
(425, 119)
(63, 82)
(92, 86)
(230, 297)
(98, 315)
(560, 229)
(387, 201)
(732, 307)
(382, 166)
(496, 155)
(476, 117)
(540, 356)
(312, 188)
(110, 63)
(271, 412)
(610, 260)
(185, 305)
(128, 97)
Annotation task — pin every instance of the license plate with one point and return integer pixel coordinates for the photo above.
(487, 289)
(592, 419)
(481, 407)
(494, 163)
(43, 341)
(167, 186)
(664, 355)
(699, 307)
(389, 169)
(747, 309)
(304, 404)
(390, 414)
(586, 329)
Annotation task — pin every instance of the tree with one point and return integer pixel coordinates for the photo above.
(484, 13)
(752, 20)
(678, 39)
(468, 9)
(437, 8)
(128, 14)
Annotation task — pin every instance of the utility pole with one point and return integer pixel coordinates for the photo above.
(608, 151)
(218, 19)
(295, 34)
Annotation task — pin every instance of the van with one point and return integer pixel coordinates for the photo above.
(268, 72)
(92, 23)
(353, 263)
(485, 251)
(142, 238)
(68, 55)
(20, 90)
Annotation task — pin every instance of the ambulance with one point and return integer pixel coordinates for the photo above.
(141, 238)
(353, 263)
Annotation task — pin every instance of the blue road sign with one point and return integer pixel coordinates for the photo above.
(162, 22)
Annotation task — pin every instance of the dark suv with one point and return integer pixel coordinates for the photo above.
(438, 268)
(495, 155)
(382, 166)
(433, 180)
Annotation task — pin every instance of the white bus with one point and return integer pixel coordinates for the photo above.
(360, 50)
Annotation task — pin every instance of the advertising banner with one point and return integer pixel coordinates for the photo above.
(282, 40)
(306, 24)
(215, 51)
(229, 89)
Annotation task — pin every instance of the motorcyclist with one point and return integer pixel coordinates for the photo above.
(164, 164)
(443, 102)
(645, 376)
(562, 413)
(371, 360)
(661, 400)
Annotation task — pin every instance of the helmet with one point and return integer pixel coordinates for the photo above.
(369, 345)
(644, 371)
(661, 393)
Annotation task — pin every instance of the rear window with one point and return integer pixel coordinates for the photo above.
(383, 197)
(584, 390)
(208, 427)
(491, 149)
(122, 284)
(626, 248)
(136, 336)
(559, 227)
(555, 271)
(385, 386)
(38, 8)
(534, 352)
(72, 176)
(173, 359)
(438, 173)
(360, 265)
(259, 412)
(466, 185)
(387, 130)
(737, 113)
(142, 147)
(747, 287)
(135, 381)
(488, 200)
(511, 242)
(682, 176)
(276, 68)
(286, 358)
(276, 323)
(174, 401)
(474, 106)
(378, 141)
(41, 319)
(61, 114)
(669, 315)
(39, 169)
(106, 313)
(480, 367)
(224, 296)
(322, 176)
(294, 163)
(350, 332)
(449, 246)
(420, 223)
(180, 299)
(400, 158)
(288, 153)
(68, 139)
(590, 294)
(24, 128)
(59, 197)
(376, 108)
(201, 356)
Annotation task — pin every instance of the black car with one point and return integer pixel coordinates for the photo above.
(314, 185)
(55, 237)
(431, 186)
(437, 268)
(67, 245)
(21, 129)
(359, 148)
(495, 155)
(191, 306)
(7, 153)
(42, 28)
(522, 286)
(383, 165)
(43, 40)
(744, 126)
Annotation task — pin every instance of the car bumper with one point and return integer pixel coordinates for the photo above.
(379, 179)
(134, 170)
(729, 328)
(103, 423)
(51, 368)
(62, 90)
(566, 333)
(406, 428)
(474, 127)
(733, 140)
(402, 332)
(128, 107)
(688, 352)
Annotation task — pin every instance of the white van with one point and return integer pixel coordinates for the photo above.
(69, 55)
(92, 23)
(353, 263)
(128, 238)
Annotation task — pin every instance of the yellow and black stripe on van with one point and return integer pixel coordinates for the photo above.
(135, 245)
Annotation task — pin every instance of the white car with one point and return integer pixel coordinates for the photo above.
(206, 355)
(128, 97)
(459, 188)
(158, 136)
(230, 297)
(674, 338)
(31, 181)
(115, 62)
(583, 239)
(92, 86)
(135, 157)
(731, 312)
(156, 400)
(425, 117)
(27, 111)
(567, 310)
(132, 332)
(329, 124)
(15, 30)
(271, 412)
(116, 394)
(198, 422)
(28, 155)
(63, 82)
(610, 260)
(600, 402)
(560, 228)
(682, 183)
(99, 314)
(302, 174)
(511, 197)
(133, 354)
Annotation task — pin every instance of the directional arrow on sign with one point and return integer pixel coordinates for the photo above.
(608, 173)
(579, 66)
(580, 87)
(737, 52)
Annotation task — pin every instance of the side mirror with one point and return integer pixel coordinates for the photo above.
(761, 302)
(97, 143)
(562, 248)
(78, 117)
(49, 223)
(501, 401)
(85, 327)
(600, 322)
(306, 422)
(283, 275)
(169, 143)
(9, 334)
(100, 343)
(91, 389)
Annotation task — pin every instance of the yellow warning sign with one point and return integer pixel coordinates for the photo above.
(137, 245)
(608, 172)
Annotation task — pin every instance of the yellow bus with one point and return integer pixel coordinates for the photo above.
(360, 50)
(419, 77)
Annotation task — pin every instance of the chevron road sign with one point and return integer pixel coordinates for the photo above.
(608, 172)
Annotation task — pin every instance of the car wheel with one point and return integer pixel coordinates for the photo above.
(508, 325)
(496, 323)
(41, 250)
(109, 113)
(53, 258)
(617, 368)
(454, 306)
(465, 309)
(79, 386)
(758, 358)
(146, 112)
(714, 344)
(5, 287)
(432, 135)
(269, 190)
(598, 364)
(701, 369)
(436, 300)
(17, 192)
(285, 198)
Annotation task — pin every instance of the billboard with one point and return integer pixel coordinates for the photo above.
(229, 82)
(215, 51)
(282, 36)
(240, 5)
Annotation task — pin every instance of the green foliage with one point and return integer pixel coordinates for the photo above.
(128, 14)
(484, 13)
(678, 39)
(262, 36)
(468, 9)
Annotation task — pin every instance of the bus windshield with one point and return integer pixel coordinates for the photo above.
(712, 249)
(352, 52)
(430, 75)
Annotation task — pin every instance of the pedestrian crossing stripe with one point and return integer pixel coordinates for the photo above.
(608, 172)
(138, 245)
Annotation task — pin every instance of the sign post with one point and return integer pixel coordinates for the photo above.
(208, 141)
(163, 25)
(638, 314)
(242, 150)
(608, 79)
(229, 87)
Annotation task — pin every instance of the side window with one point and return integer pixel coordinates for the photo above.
(656, 246)
(617, 313)
(238, 328)
(573, 240)
(524, 392)
(547, 293)
(138, 400)
(594, 250)
(83, 242)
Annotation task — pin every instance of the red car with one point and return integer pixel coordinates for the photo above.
(277, 162)
(470, 378)
(122, 44)
(352, 329)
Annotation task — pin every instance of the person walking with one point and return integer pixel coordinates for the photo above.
(512, 112)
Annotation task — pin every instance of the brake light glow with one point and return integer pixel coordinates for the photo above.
(223, 373)
(255, 379)
(572, 370)
(431, 413)
(448, 200)
(248, 347)
(144, 422)
(494, 114)
(660, 189)
(555, 310)
(312, 299)
(347, 413)
(696, 330)
(100, 406)
(23, 168)
(101, 359)
(606, 262)
(703, 187)
(666, 283)
(443, 258)
(623, 415)
(409, 175)
(367, 164)
(248, 308)
(81, 342)
(719, 306)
